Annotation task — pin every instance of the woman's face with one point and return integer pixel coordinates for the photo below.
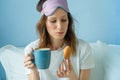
(57, 24)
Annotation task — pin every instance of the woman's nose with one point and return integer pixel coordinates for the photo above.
(59, 25)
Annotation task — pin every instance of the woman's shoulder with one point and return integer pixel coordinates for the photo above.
(82, 43)
(32, 45)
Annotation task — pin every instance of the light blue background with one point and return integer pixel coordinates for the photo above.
(96, 20)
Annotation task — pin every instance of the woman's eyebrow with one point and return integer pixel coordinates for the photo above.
(64, 16)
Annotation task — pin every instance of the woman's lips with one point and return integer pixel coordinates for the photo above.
(60, 33)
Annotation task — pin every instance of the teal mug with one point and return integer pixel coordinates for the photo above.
(42, 58)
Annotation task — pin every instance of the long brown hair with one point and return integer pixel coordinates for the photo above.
(70, 37)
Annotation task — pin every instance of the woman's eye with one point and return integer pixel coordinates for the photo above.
(53, 21)
(64, 20)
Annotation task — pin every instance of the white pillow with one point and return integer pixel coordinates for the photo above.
(12, 59)
(98, 49)
(107, 65)
(112, 62)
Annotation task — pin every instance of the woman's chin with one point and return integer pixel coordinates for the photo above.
(58, 38)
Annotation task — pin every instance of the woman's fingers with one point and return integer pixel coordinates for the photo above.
(68, 66)
(31, 65)
(59, 73)
(28, 61)
(28, 57)
(64, 69)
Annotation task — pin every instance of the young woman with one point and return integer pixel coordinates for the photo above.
(56, 30)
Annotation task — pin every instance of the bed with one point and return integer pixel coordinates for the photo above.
(106, 56)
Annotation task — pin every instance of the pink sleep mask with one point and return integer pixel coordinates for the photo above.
(50, 6)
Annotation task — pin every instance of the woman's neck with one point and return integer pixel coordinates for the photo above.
(56, 44)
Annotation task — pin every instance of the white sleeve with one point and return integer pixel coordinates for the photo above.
(32, 45)
(86, 58)
(28, 50)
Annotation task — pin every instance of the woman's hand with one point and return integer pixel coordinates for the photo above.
(66, 70)
(28, 63)
(28, 60)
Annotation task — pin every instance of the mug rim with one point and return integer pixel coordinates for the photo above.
(43, 49)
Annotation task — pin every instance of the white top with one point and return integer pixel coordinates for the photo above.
(83, 60)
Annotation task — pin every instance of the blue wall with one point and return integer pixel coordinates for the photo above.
(96, 20)
(18, 20)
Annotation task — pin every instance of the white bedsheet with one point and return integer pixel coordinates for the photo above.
(12, 59)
